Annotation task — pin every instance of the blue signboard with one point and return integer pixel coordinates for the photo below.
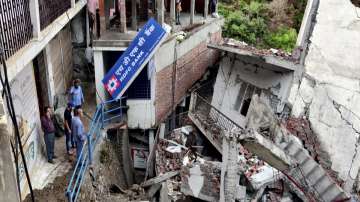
(133, 60)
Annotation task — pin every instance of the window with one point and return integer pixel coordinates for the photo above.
(243, 100)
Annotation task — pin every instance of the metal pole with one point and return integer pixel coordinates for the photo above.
(192, 12)
(102, 115)
(89, 148)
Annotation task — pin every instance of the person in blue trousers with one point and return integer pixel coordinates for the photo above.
(49, 134)
(76, 94)
(77, 128)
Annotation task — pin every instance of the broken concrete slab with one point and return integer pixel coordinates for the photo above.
(266, 150)
(201, 180)
(160, 178)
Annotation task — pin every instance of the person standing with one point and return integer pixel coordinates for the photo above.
(213, 4)
(76, 94)
(70, 144)
(178, 10)
(78, 131)
(49, 134)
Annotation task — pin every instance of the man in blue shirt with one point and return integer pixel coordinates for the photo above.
(76, 94)
(78, 130)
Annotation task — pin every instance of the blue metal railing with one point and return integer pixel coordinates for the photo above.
(105, 112)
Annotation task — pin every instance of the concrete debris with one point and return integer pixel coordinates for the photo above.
(201, 180)
(160, 178)
(261, 52)
(264, 175)
(173, 149)
(186, 129)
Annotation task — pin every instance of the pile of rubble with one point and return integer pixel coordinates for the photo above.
(260, 52)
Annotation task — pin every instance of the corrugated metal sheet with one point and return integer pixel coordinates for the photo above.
(62, 61)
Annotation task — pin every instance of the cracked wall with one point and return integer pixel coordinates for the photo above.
(232, 73)
(329, 93)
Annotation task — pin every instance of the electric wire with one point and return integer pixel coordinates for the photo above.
(10, 106)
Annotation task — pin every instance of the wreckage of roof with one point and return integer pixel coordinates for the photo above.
(275, 60)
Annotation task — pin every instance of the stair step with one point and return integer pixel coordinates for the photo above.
(330, 193)
(323, 185)
(311, 171)
(340, 197)
(316, 176)
(302, 158)
(308, 165)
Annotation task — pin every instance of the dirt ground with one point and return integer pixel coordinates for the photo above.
(62, 169)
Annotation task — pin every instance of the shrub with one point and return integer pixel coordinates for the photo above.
(245, 24)
(283, 38)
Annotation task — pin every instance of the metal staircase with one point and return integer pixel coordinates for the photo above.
(106, 113)
(306, 174)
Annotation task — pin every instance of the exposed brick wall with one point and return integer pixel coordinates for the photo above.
(189, 68)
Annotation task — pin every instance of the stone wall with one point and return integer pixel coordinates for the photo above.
(189, 68)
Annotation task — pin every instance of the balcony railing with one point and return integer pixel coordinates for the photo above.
(52, 9)
(15, 25)
(213, 121)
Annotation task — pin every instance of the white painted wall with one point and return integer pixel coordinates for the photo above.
(330, 91)
(141, 113)
(229, 80)
(99, 75)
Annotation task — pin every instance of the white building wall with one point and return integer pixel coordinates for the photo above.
(329, 94)
(229, 80)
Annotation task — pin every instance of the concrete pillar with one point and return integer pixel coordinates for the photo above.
(151, 139)
(206, 9)
(73, 3)
(160, 11)
(192, 12)
(122, 5)
(230, 169)
(133, 15)
(35, 17)
(8, 184)
(49, 74)
(172, 11)
(99, 75)
(107, 13)
(87, 28)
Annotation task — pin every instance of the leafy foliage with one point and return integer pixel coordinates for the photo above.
(247, 20)
(283, 38)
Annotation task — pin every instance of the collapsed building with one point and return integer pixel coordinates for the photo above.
(207, 118)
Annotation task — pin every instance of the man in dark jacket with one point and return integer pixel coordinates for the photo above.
(49, 134)
(70, 143)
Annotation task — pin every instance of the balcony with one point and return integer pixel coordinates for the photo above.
(15, 26)
(52, 9)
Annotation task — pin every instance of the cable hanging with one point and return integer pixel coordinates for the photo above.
(11, 111)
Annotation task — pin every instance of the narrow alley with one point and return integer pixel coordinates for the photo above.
(177, 101)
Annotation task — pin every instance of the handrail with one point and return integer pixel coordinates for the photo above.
(214, 108)
(85, 157)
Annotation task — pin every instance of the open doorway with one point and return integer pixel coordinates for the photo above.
(42, 88)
